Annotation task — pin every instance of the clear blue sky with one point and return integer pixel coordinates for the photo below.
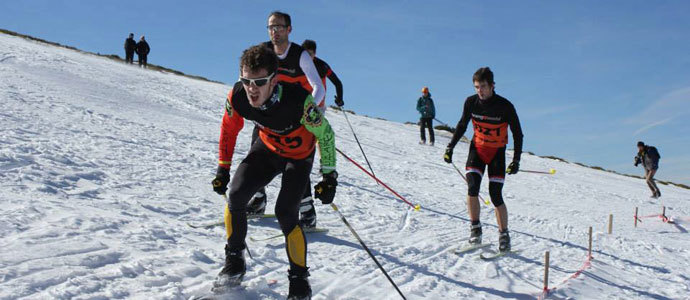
(588, 78)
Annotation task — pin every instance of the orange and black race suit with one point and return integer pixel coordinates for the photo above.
(296, 66)
(491, 119)
(289, 125)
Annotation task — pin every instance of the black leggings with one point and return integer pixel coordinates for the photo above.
(497, 171)
(257, 170)
(307, 189)
(426, 122)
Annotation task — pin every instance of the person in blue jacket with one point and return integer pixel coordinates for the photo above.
(425, 107)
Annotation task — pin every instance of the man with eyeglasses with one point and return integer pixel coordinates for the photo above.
(290, 125)
(294, 66)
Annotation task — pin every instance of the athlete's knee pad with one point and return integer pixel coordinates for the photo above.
(296, 245)
(495, 191)
(227, 217)
(474, 181)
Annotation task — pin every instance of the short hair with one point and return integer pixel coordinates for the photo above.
(283, 15)
(640, 144)
(484, 74)
(258, 57)
(309, 45)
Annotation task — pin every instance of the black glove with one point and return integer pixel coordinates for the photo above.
(637, 160)
(339, 101)
(325, 190)
(513, 167)
(220, 183)
(448, 156)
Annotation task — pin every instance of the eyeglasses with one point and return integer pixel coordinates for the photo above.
(257, 81)
(276, 27)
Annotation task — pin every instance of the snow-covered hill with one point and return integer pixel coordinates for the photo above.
(102, 165)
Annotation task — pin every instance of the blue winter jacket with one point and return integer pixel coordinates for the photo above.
(425, 106)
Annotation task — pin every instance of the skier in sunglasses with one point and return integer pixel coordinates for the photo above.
(294, 66)
(289, 127)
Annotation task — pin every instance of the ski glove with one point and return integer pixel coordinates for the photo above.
(513, 167)
(325, 190)
(448, 156)
(637, 160)
(220, 183)
(339, 101)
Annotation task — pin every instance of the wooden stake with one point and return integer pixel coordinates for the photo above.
(589, 251)
(610, 223)
(635, 217)
(546, 270)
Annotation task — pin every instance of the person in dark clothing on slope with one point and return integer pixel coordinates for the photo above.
(290, 126)
(294, 66)
(491, 115)
(325, 71)
(425, 107)
(130, 47)
(143, 50)
(649, 157)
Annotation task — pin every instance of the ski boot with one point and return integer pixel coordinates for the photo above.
(299, 285)
(475, 234)
(504, 241)
(307, 214)
(257, 205)
(422, 142)
(232, 273)
(658, 193)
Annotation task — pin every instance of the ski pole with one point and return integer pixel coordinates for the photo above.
(342, 217)
(357, 140)
(416, 207)
(437, 120)
(463, 177)
(551, 171)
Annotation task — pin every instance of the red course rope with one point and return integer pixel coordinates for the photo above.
(586, 265)
(377, 180)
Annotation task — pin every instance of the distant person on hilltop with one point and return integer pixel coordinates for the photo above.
(425, 107)
(130, 47)
(491, 115)
(325, 71)
(649, 157)
(143, 50)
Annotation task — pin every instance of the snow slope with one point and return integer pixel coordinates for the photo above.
(102, 165)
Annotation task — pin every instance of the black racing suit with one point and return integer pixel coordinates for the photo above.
(290, 124)
(290, 71)
(325, 71)
(490, 118)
